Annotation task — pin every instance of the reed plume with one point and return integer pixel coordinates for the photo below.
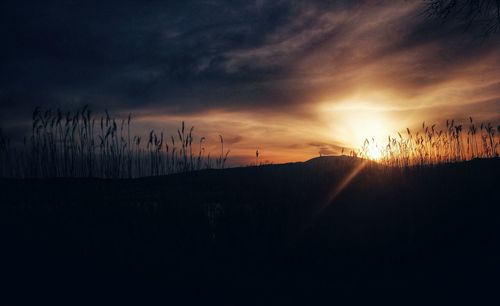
(78, 144)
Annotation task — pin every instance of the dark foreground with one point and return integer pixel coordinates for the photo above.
(284, 229)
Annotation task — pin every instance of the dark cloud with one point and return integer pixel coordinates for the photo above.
(192, 56)
(137, 53)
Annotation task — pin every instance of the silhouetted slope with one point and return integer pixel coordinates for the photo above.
(433, 228)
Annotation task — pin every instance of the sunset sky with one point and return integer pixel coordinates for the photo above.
(291, 78)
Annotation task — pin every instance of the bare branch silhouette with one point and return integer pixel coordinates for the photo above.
(482, 15)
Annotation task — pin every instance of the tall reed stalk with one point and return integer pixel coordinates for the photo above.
(452, 143)
(78, 144)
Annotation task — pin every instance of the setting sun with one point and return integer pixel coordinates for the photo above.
(263, 146)
(355, 124)
(374, 152)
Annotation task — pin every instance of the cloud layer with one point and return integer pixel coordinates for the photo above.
(257, 62)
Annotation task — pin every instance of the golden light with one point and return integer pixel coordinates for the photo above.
(355, 122)
(374, 152)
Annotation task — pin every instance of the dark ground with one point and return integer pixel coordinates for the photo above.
(424, 232)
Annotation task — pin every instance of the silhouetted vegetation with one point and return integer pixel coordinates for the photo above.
(481, 14)
(78, 144)
(332, 222)
(453, 143)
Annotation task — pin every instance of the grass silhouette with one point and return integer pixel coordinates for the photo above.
(453, 143)
(342, 223)
(78, 144)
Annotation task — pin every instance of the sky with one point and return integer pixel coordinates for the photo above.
(293, 79)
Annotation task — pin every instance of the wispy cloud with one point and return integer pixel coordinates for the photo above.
(274, 65)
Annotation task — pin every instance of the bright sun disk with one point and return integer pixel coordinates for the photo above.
(374, 152)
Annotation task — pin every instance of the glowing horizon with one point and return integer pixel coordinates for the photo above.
(293, 80)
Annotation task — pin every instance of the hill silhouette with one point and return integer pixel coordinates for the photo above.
(331, 222)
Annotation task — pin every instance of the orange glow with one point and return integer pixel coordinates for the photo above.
(333, 127)
(374, 152)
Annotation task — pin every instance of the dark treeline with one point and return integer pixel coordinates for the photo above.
(78, 144)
